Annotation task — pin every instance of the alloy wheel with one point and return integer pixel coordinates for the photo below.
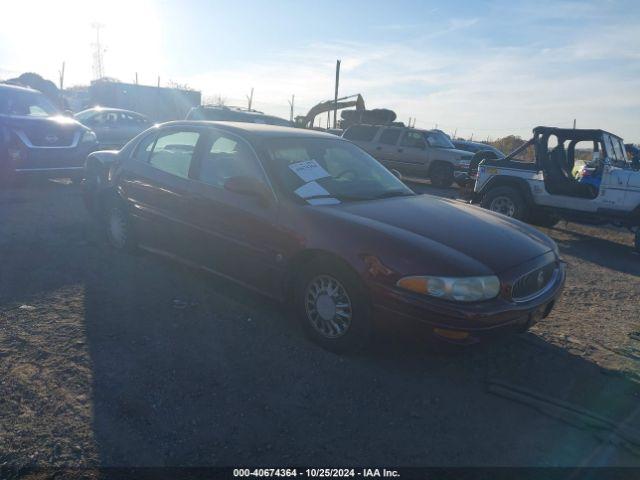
(328, 306)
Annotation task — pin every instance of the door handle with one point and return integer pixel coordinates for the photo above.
(378, 148)
(400, 150)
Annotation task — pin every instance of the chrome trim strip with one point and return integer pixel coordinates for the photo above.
(539, 293)
(23, 137)
(52, 169)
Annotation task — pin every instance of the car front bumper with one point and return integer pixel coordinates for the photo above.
(48, 162)
(473, 321)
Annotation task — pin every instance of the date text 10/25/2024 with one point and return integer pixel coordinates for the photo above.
(316, 472)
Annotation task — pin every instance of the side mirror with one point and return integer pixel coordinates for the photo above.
(396, 173)
(249, 186)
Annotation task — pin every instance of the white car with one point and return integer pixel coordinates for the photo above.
(544, 191)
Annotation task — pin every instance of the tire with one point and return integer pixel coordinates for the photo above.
(118, 226)
(92, 189)
(507, 201)
(441, 175)
(636, 242)
(323, 289)
(543, 219)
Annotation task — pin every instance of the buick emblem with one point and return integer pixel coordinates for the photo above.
(540, 279)
(51, 138)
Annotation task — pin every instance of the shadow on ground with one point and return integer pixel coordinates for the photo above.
(230, 380)
(142, 362)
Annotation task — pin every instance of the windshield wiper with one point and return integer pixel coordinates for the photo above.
(393, 193)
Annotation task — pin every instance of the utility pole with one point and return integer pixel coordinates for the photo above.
(250, 98)
(158, 81)
(61, 73)
(136, 78)
(98, 52)
(574, 123)
(335, 111)
(409, 122)
(293, 97)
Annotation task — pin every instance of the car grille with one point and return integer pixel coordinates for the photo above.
(51, 139)
(534, 283)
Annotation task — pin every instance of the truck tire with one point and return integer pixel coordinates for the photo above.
(441, 175)
(507, 201)
(543, 219)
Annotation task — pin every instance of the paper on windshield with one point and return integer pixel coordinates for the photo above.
(309, 170)
(311, 189)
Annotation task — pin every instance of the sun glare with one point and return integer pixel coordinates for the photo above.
(130, 35)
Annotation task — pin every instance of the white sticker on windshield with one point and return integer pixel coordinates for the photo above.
(323, 201)
(309, 170)
(311, 189)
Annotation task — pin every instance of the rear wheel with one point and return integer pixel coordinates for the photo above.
(441, 175)
(331, 304)
(507, 201)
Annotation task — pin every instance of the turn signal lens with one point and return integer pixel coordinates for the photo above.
(415, 284)
(461, 289)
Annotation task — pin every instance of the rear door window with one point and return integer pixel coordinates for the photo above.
(361, 133)
(390, 136)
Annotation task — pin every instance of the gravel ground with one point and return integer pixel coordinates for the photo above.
(109, 359)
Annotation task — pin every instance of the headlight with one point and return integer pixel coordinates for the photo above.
(460, 289)
(88, 137)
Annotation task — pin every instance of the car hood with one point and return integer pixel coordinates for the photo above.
(435, 227)
(454, 153)
(55, 123)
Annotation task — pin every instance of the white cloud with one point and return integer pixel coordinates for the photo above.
(494, 92)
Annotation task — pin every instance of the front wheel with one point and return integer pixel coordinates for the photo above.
(544, 219)
(119, 228)
(441, 175)
(331, 304)
(507, 201)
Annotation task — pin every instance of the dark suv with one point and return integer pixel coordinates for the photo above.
(36, 139)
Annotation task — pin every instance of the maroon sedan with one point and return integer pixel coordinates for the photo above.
(312, 219)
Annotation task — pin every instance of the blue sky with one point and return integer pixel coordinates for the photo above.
(487, 68)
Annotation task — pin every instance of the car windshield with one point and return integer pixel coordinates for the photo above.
(329, 171)
(438, 140)
(26, 103)
(84, 115)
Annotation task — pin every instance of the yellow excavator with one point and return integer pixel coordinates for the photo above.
(378, 116)
(308, 120)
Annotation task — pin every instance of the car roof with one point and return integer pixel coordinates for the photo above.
(109, 109)
(8, 86)
(577, 133)
(256, 130)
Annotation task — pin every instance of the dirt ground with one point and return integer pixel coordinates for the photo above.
(109, 359)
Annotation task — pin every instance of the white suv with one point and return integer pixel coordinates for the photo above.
(545, 190)
(414, 153)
